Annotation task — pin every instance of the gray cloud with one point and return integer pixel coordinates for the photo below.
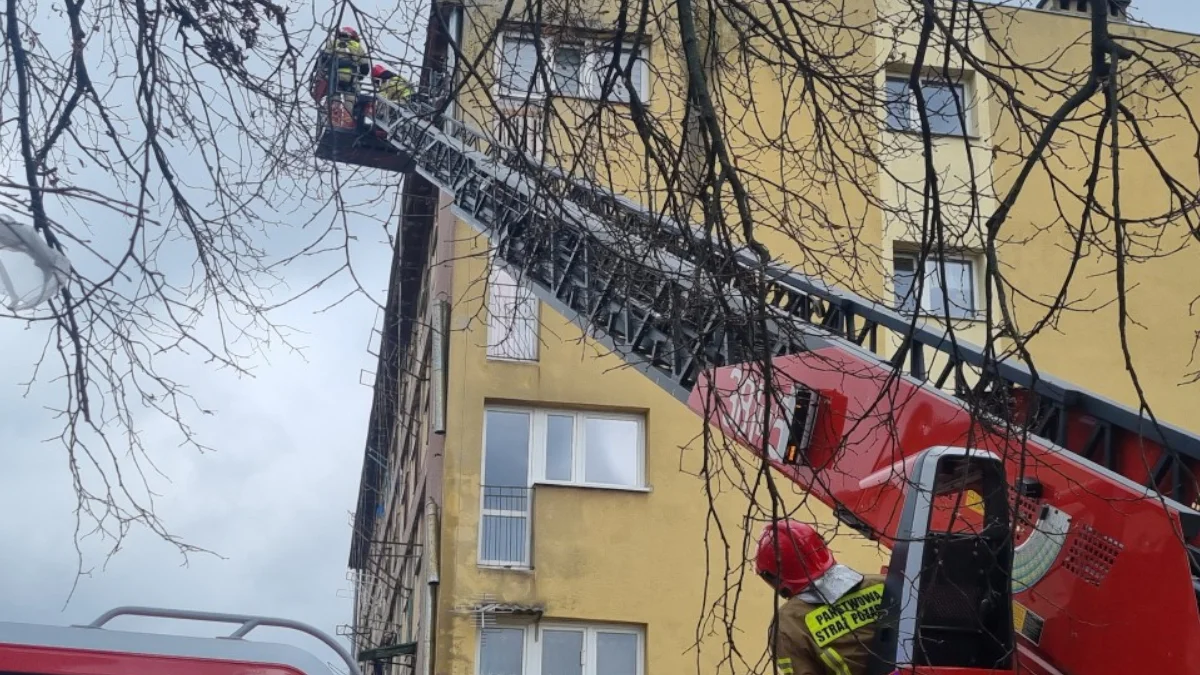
(274, 500)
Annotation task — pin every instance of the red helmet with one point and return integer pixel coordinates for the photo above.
(381, 72)
(347, 31)
(790, 555)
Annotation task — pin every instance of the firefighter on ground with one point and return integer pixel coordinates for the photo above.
(828, 619)
(351, 59)
(390, 85)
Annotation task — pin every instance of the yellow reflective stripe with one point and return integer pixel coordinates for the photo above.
(784, 665)
(834, 662)
(830, 622)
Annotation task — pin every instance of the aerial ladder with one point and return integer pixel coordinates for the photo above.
(1053, 535)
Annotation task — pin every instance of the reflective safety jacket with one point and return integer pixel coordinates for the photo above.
(350, 53)
(395, 89)
(810, 639)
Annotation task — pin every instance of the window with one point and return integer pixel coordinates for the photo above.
(568, 70)
(614, 74)
(524, 446)
(959, 290)
(504, 518)
(561, 649)
(518, 65)
(563, 446)
(944, 103)
(502, 651)
(512, 317)
(574, 66)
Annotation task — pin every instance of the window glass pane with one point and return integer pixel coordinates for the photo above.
(568, 66)
(616, 654)
(562, 652)
(519, 61)
(503, 539)
(636, 74)
(898, 103)
(501, 651)
(611, 451)
(506, 454)
(613, 73)
(960, 280)
(560, 439)
(904, 281)
(959, 290)
(942, 107)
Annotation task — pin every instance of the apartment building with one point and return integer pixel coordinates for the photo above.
(530, 506)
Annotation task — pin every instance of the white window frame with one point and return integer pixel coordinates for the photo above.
(531, 657)
(506, 341)
(914, 118)
(597, 53)
(925, 302)
(527, 557)
(541, 427)
(538, 425)
(538, 420)
(524, 645)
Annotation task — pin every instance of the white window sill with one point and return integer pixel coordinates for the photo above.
(972, 137)
(510, 359)
(522, 98)
(590, 98)
(518, 96)
(941, 318)
(593, 486)
(504, 567)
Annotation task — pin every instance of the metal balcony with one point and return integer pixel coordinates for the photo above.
(506, 527)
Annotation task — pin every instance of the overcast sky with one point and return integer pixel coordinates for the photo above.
(275, 501)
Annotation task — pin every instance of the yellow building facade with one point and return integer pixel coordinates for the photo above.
(553, 517)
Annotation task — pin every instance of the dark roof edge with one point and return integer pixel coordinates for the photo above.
(364, 514)
(386, 367)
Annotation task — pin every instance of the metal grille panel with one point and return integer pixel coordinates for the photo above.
(1091, 554)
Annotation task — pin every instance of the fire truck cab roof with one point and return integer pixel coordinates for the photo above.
(68, 650)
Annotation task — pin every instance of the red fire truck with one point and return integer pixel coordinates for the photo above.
(1034, 526)
(914, 630)
(1038, 529)
(96, 650)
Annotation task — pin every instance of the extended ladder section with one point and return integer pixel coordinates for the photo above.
(647, 283)
(682, 310)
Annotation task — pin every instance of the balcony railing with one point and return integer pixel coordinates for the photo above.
(506, 527)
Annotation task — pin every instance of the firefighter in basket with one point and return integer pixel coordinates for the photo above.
(390, 85)
(828, 619)
(351, 63)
